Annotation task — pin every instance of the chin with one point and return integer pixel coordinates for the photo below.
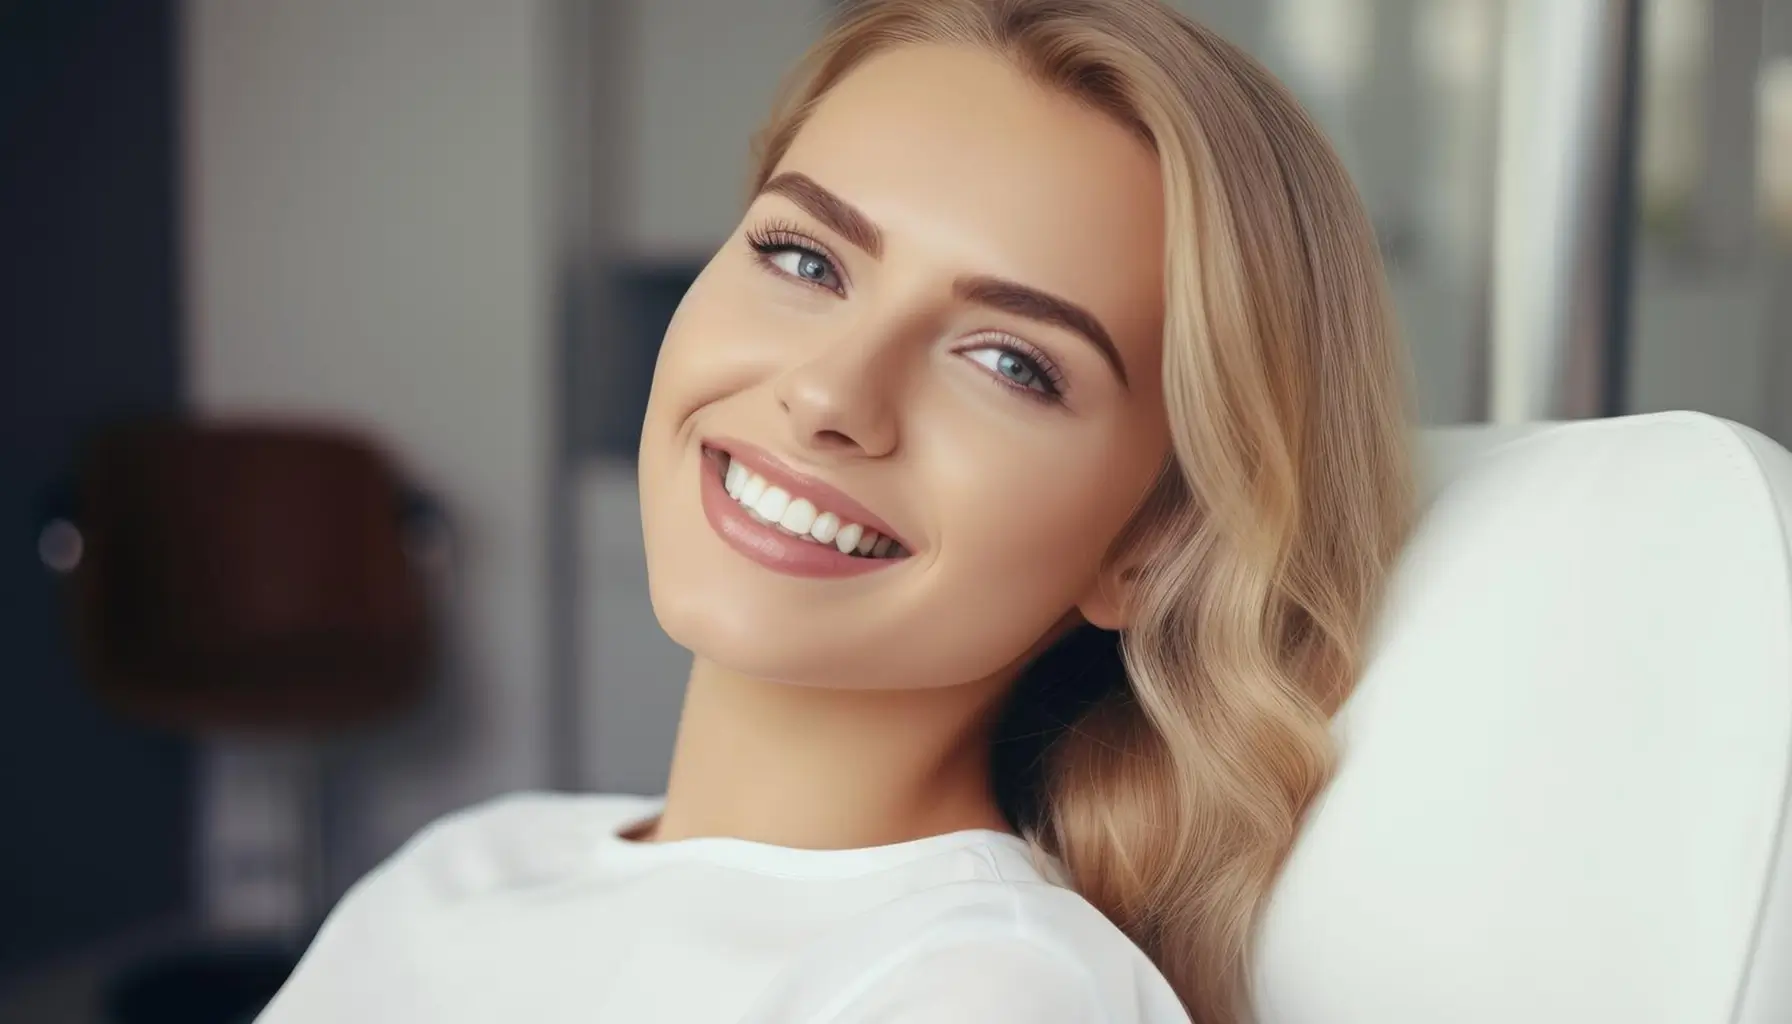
(755, 641)
(735, 616)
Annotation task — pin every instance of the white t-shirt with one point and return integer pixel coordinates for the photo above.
(534, 909)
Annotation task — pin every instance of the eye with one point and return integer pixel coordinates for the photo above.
(1020, 370)
(788, 254)
(810, 266)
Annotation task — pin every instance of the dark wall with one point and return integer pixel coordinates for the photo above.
(95, 814)
(613, 368)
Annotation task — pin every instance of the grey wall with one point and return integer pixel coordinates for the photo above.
(369, 198)
(701, 76)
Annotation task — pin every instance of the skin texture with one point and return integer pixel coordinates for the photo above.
(838, 713)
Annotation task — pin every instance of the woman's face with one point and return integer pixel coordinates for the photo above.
(939, 324)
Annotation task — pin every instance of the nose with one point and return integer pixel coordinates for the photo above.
(842, 401)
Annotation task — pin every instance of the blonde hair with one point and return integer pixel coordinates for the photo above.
(1171, 791)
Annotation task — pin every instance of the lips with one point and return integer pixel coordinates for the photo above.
(789, 521)
(800, 516)
(796, 486)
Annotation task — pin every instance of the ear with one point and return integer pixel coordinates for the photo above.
(1105, 606)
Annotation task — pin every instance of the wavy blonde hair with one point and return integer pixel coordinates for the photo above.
(1169, 770)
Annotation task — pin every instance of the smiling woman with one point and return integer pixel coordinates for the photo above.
(1022, 474)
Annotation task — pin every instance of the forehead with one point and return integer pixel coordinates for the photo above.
(961, 159)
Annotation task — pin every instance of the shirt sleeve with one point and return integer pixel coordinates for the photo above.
(978, 982)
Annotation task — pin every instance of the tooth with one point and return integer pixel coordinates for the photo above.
(825, 527)
(772, 503)
(735, 478)
(867, 542)
(882, 548)
(798, 517)
(751, 490)
(848, 538)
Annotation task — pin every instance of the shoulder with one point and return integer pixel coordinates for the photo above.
(379, 930)
(504, 843)
(534, 810)
(532, 815)
(376, 944)
(978, 951)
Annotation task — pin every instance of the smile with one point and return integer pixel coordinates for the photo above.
(787, 522)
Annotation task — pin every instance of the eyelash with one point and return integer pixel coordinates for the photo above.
(778, 237)
(1043, 368)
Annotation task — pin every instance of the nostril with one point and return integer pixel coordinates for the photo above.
(834, 439)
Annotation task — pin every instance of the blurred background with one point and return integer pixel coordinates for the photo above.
(270, 271)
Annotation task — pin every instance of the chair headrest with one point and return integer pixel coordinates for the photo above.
(1564, 791)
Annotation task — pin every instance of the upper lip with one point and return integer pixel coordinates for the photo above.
(824, 495)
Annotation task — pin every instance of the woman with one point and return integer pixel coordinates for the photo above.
(1022, 475)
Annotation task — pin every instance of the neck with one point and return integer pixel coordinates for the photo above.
(826, 768)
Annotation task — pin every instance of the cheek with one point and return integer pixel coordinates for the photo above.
(704, 332)
(1022, 518)
(731, 332)
(689, 373)
(1024, 534)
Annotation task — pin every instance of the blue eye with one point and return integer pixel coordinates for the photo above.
(1014, 369)
(791, 255)
(810, 266)
(1018, 370)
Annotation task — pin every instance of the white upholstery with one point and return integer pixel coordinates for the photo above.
(1564, 797)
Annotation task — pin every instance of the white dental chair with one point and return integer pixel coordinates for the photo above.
(1564, 794)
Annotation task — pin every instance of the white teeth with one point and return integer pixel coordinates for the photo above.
(848, 538)
(798, 517)
(772, 503)
(774, 506)
(751, 490)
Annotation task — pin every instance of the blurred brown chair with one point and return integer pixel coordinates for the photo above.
(246, 578)
(243, 580)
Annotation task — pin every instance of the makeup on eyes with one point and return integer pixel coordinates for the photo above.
(1046, 372)
(776, 238)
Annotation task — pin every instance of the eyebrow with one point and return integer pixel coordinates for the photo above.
(840, 216)
(849, 223)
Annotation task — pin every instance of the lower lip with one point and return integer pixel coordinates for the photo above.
(771, 547)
